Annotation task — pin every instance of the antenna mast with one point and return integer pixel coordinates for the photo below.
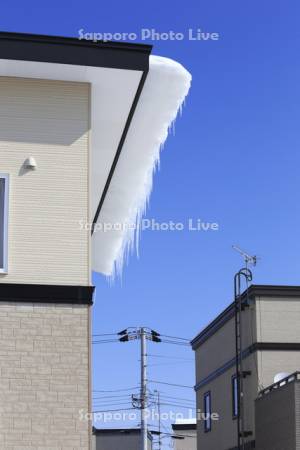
(247, 258)
(240, 373)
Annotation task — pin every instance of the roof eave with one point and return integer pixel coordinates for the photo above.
(75, 51)
(255, 290)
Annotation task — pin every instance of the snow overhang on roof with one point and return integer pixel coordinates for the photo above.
(135, 98)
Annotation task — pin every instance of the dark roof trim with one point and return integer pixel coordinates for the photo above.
(41, 293)
(259, 346)
(116, 430)
(66, 50)
(184, 426)
(228, 313)
(98, 431)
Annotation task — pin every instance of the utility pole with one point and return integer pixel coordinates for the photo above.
(240, 373)
(144, 400)
(143, 334)
(159, 420)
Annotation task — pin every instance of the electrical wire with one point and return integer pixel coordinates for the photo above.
(177, 405)
(114, 404)
(170, 363)
(105, 334)
(177, 398)
(175, 337)
(119, 390)
(113, 396)
(168, 341)
(169, 357)
(171, 384)
(114, 410)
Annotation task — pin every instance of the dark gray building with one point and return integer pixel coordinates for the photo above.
(118, 439)
(277, 415)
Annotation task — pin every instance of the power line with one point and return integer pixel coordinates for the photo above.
(168, 341)
(176, 337)
(115, 404)
(170, 357)
(105, 334)
(113, 396)
(177, 398)
(119, 390)
(171, 384)
(114, 410)
(170, 363)
(179, 406)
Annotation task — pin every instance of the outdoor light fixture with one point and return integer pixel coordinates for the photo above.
(30, 163)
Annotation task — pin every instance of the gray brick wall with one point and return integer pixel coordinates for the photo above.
(44, 378)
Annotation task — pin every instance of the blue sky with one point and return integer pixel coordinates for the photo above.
(234, 160)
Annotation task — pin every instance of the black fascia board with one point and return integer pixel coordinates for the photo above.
(68, 50)
(42, 293)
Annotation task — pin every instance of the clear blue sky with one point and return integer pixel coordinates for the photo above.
(234, 160)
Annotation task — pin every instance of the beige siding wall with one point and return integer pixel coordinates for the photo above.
(271, 363)
(44, 384)
(48, 120)
(278, 319)
(223, 433)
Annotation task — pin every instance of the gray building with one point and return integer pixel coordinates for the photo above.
(185, 435)
(277, 415)
(119, 439)
(271, 344)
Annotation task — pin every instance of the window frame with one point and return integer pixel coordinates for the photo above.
(207, 421)
(235, 396)
(5, 177)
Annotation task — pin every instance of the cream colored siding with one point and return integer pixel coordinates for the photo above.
(44, 376)
(284, 312)
(48, 120)
(273, 362)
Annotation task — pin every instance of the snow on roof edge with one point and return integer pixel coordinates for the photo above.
(165, 90)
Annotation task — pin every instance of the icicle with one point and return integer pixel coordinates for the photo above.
(162, 98)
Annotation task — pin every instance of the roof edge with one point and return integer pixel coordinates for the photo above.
(72, 50)
(184, 426)
(255, 290)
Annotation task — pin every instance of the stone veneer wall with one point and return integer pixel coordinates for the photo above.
(44, 378)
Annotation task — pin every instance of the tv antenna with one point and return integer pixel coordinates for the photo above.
(249, 260)
(239, 306)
